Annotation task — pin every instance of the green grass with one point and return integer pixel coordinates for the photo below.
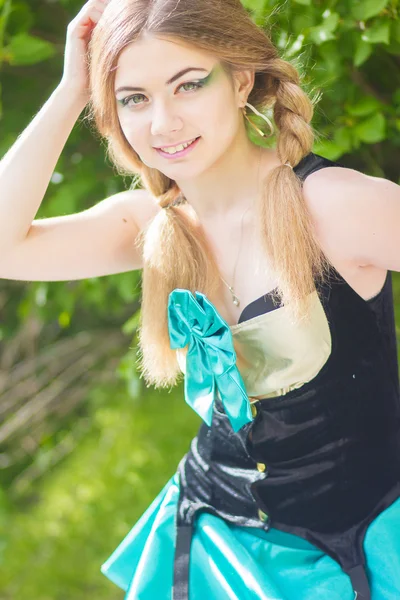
(85, 506)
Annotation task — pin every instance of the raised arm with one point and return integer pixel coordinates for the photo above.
(97, 241)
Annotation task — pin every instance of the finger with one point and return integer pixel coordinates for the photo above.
(94, 17)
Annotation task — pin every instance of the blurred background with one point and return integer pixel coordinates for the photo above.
(84, 446)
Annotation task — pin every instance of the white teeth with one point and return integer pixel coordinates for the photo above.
(174, 149)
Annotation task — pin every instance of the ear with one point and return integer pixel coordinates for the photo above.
(243, 83)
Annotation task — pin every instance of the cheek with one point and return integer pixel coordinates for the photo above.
(137, 139)
(220, 119)
(132, 133)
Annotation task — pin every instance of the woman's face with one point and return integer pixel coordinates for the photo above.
(169, 108)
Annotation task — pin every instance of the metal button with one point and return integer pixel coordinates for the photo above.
(262, 515)
(261, 467)
(253, 410)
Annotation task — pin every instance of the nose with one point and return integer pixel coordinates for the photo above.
(164, 121)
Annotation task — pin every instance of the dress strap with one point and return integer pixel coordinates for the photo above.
(180, 590)
(311, 163)
(359, 581)
(184, 519)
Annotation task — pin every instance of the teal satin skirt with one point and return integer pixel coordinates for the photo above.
(229, 562)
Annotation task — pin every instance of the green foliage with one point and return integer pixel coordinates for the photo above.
(348, 53)
(362, 10)
(25, 49)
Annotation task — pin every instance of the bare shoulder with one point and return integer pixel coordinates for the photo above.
(356, 219)
(323, 190)
(141, 207)
(339, 200)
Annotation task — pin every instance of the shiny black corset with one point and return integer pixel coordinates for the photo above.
(332, 448)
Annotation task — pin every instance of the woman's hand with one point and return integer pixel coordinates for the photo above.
(79, 31)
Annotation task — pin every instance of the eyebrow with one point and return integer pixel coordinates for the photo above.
(174, 78)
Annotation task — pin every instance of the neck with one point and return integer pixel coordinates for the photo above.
(225, 188)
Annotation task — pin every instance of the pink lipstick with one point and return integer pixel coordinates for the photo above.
(181, 152)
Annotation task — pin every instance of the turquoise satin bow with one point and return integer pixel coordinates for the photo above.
(211, 357)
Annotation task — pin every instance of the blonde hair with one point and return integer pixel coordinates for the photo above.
(175, 250)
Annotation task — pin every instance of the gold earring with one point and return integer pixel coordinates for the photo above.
(272, 130)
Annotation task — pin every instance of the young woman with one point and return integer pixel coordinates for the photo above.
(266, 280)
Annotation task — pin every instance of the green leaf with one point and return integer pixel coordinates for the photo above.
(303, 21)
(328, 149)
(378, 33)
(320, 35)
(365, 9)
(344, 138)
(363, 107)
(325, 31)
(25, 49)
(331, 21)
(362, 53)
(303, 2)
(371, 130)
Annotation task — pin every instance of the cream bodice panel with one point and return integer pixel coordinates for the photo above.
(274, 355)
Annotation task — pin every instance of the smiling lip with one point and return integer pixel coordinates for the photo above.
(180, 153)
(172, 145)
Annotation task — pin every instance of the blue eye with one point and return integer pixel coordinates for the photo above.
(196, 85)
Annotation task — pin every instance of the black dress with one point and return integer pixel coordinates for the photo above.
(318, 463)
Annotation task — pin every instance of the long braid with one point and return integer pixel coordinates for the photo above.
(283, 213)
(191, 265)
